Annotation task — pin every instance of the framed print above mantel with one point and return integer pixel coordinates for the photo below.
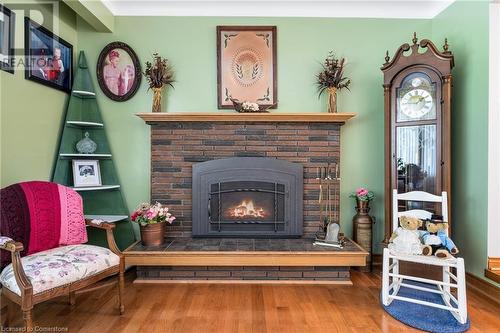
(49, 58)
(246, 65)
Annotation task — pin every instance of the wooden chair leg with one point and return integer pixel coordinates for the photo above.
(72, 298)
(28, 319)
(121, 286)
(5, 313)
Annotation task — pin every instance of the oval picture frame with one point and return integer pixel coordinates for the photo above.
(116, 85)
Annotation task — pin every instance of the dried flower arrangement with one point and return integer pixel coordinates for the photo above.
(331, 78)
(159, 73)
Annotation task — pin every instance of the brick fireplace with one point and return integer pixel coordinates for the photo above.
(245, 172)
(177, 146)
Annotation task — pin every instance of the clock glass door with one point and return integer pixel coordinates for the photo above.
(416, 152)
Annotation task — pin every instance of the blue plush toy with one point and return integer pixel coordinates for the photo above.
(439, 244)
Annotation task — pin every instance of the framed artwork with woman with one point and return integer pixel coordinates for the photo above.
(118, 71)
(49, 58)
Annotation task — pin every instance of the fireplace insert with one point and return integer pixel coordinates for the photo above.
(247, 197)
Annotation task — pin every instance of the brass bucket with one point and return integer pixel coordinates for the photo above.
(153, 234)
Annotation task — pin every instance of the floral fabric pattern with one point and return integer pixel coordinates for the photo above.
(4, 240)
(60, 266)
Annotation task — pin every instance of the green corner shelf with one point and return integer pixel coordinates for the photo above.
(104, 202)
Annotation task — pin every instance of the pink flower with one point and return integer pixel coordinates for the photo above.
(171, 219)
(361, 192)
(151, 213)
(134, 215)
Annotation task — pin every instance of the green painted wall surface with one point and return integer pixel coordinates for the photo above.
(466, 25)
(302, 44)
(31, 113)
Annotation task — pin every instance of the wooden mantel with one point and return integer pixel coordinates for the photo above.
(322, 117)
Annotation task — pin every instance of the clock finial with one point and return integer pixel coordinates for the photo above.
(415, 39)
(387, 58)
(445, 46)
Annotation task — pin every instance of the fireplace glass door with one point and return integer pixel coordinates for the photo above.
(254, 206)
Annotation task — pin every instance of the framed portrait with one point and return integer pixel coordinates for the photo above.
(86, 173)
(246, 65)
(7, 32)
(49, 58)
(118, 71)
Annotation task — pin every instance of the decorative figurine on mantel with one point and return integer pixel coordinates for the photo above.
(329, 235)
(362, 224)
(86, 145)
(158, 74)
(250, 107)
(332, 79)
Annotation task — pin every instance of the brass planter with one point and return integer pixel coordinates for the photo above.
(153, 234)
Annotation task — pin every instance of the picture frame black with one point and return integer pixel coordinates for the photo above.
(137, 73)
(7, 49)
(37, 74)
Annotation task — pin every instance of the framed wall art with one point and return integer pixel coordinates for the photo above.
(246, 65)
(49, 58)
(118, 71)
(7, 32)
(86, 173)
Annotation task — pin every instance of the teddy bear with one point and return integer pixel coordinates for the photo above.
(436, 238)
(406, 238)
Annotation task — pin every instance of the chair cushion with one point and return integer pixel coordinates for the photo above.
(60, 266)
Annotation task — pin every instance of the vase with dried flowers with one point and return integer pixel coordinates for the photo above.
(332, 79)
(159, 73)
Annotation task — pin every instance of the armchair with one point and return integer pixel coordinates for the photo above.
(43, 265)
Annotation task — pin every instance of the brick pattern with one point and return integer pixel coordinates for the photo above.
(309, 273)
(175, 147)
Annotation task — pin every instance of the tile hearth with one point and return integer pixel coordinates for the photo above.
(244, 259)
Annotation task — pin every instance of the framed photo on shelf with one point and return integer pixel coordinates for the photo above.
(118, 71)
(246, 65)
(7, 32)
(49, 58)
(86, 173)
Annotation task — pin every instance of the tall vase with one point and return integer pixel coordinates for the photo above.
(157, 99)
(332, 100)
(362, 231)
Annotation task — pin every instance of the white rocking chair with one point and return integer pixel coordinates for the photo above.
(392, 280)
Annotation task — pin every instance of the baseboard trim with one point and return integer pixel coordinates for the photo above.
(492, 275)
(483, 287)
(275, 282)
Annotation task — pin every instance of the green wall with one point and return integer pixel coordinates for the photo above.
(302, 44)
(30, 113)
(466, 25)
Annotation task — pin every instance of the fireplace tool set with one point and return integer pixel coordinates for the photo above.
(328, 235)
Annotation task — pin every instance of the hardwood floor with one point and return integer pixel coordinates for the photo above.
(222, 308)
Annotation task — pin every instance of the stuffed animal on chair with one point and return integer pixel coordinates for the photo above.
(436, 238)
(406, 238)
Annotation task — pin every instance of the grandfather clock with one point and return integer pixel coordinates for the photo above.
(417, 98)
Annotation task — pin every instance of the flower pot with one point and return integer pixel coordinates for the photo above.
(362, 231)
(153, 234)
(157, 99)
(332, 100)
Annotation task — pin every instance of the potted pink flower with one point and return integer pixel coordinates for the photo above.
(152, 220)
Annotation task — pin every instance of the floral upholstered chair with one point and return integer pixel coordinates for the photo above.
(43, 228)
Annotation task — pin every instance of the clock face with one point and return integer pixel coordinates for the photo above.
(416, 103)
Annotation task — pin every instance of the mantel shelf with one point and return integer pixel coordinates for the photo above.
(322, 117)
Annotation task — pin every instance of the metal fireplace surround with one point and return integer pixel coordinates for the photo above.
(247, 197)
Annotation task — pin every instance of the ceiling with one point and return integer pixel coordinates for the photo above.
(420, 9)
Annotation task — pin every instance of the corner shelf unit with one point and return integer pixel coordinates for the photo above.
(104, 202)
